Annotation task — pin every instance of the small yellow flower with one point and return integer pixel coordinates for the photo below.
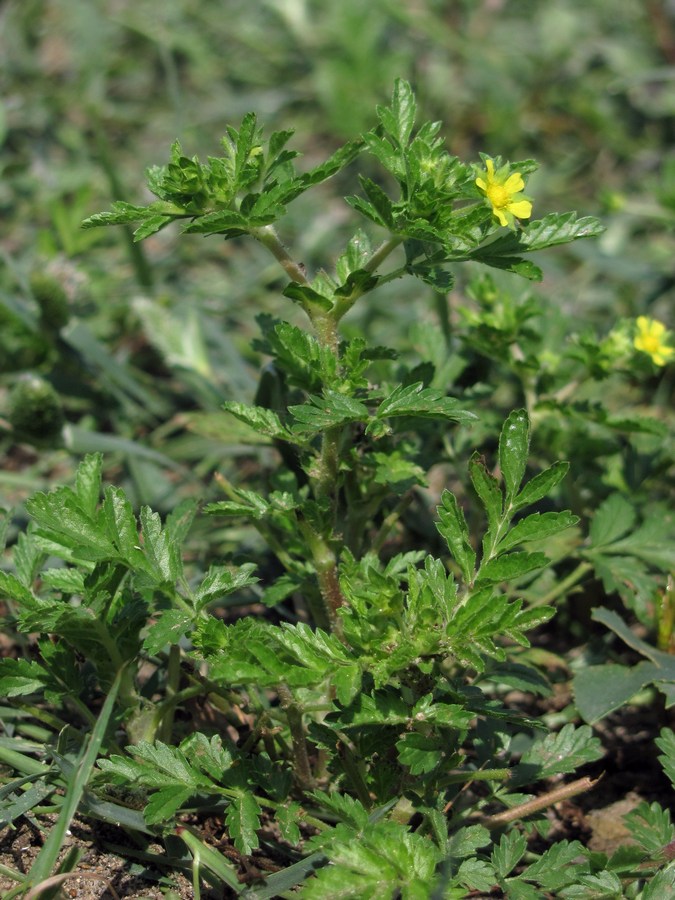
(651, 339)
(504, 193)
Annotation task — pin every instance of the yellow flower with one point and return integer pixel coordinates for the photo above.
(651, 339)
(503, 192)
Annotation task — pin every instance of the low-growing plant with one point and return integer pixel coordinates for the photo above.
(354, 659)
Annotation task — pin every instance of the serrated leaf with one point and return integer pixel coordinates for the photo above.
(262, 420)
(88, 482)
(162, 805)
(151, 225)
(399, 118)
(160, 552)
(520, 677)
(12, 589)
(511, 566)
(121, 525)
(467, 840)
(614, 517)
(558, 754)
(420, 753)
(382, 708)
(19, 677)
(508, 853)
(536, 527)
(489, 493)
(225, 221)
(307, 296)
(541, 485)
(60, 518)
(171, 626)
(379, 201)
(666, 743)
(220, 581)
(347, 809)
(121, 213)
(514, 446)
(243, 820)
(329, 411)
(416, 400)
(476, 875)
(454, 529)
(556, 867)
(287, 817)
(554, 229)
(650, 825)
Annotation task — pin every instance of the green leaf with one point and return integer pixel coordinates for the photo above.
(162, 806)
(12, 589)
(650, 825)
(357, 283)
(476, 875)
(661, 886)
(556, 228)
(331, 410)
(416, 400)
(614, 517)
(121, 214)
(558, 754)
(121, 525)
(162, 555)
(511, 566)
(243, 820)
(150, 226)
(225, 221)
(421, 753)
(541, 485)
(19, 677)
(60, 518)
(489, 493)
(379, 202)
(535, 527)
(467, 841)
(306, 296)
(599, 690)
(399, 118)
(172, 625)
(287, 817)
(88, 483)
(382, 708)
(514, 446)
(454, 529)
(556, 866)
(262, 420)
(220, 581)
(666, 743)
(508, 853)
(342, 157)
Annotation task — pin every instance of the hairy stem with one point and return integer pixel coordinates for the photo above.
(303, 770)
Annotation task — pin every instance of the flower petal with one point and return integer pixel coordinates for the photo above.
(520, 208)
(501, 216)
(514, 183)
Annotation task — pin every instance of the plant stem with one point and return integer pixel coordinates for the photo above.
(303, 770)
(538, 803)
(563, 586)
(383, 251)
(325, 564)
(269, 238)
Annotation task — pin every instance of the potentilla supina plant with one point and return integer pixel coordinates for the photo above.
(503, 190)
(651, 337)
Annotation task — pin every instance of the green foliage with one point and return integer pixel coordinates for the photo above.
(372, 704)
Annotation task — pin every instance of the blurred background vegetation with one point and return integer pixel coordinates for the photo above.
(141, 343)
